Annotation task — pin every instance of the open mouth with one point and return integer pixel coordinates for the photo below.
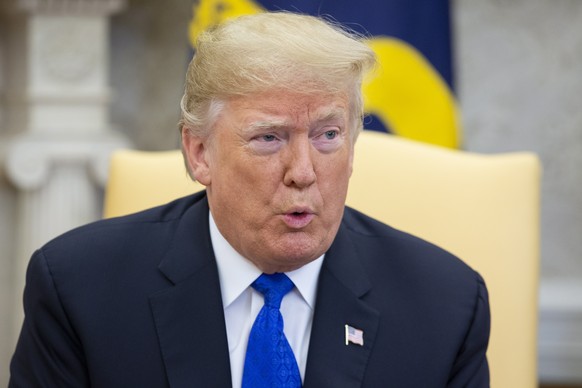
(298, 219)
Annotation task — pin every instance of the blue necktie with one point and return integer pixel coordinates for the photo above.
(269, 360)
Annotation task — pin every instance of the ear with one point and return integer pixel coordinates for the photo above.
(196, 152)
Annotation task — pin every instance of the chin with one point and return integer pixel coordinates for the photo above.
(300, 251)
(287, 264)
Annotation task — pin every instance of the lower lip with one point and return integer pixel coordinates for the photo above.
(297, 221)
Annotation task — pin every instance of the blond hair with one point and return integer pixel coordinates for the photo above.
(272, 50)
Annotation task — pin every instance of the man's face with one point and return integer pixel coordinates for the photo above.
(277, 169)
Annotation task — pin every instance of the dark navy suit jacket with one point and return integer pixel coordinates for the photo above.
(135, 302)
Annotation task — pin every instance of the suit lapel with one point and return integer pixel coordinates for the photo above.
(189, 317)
(342, 282)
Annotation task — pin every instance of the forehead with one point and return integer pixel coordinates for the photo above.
(289, 106)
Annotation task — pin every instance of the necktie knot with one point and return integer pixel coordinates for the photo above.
(273, 287)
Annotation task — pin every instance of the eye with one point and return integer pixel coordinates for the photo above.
(268, 138)
(328, 139)
(330, 135)
(266, 143)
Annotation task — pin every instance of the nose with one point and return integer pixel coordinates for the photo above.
(299, 169)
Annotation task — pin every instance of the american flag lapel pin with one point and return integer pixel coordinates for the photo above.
(354, 336)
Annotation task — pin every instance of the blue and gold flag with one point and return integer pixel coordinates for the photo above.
(411, 92)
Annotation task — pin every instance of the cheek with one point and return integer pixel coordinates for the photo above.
(249, 184)
(333, 180)
(337, 168)
(258, 174)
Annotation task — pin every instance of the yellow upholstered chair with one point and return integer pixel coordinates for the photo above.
(484, 208)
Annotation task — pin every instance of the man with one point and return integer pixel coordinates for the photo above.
(173, 296)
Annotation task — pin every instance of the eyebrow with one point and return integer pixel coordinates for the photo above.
(331, 115)
(325, 116)
(266, 124)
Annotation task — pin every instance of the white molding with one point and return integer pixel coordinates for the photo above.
(560, 331)
(31, 158)
(69, 7)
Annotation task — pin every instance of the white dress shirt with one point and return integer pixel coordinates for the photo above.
(242, 303)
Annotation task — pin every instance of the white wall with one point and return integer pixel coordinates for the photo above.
(7, 291)
(7, 236)
(150, 53)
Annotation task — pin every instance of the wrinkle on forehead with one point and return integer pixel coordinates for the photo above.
(332, 115)
(265, 112)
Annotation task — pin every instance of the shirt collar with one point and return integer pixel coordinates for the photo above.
(236, 273)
